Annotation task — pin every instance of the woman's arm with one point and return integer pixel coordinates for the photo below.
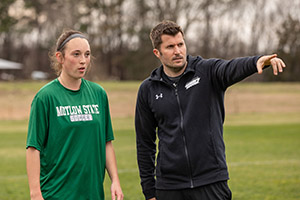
(111, 166)
(33, 172)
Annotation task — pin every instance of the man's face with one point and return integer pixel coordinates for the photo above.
(172, 54)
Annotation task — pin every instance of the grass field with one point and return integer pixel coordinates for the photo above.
(262, 141)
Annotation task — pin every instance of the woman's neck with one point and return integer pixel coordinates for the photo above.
(70, 83)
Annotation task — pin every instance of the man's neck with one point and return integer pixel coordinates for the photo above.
(174, 71)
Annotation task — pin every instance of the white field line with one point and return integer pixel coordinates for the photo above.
(237, 164)
(231, 164)
(126, 171)
(266, 162)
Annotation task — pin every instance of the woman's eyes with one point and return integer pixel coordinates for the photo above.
(76, 54)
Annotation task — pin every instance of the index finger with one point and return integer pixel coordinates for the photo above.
(269, 57)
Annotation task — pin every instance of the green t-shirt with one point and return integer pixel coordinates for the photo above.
(70, 129)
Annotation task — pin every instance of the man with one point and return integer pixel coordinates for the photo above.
(183, 102)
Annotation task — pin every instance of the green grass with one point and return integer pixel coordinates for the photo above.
(124, 145)
(263, 161)
(13, 180)
(263, 149)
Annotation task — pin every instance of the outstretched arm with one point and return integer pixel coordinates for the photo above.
(276, 63)
(111, 166)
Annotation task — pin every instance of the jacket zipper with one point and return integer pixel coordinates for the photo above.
(183, 135)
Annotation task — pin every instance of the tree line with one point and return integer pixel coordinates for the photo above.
(118, 31)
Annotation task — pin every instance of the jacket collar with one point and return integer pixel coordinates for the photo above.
(157, 73)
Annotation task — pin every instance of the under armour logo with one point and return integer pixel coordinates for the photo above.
(157, 96)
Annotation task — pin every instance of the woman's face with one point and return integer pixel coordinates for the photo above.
(76, 59)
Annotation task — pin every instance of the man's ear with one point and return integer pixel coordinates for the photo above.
(59, 57)
(156, 53)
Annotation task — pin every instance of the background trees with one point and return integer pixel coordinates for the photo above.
(118, 31)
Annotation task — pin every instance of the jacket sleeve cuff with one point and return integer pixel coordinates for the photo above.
(149, 194)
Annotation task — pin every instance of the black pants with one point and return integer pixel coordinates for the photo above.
(215, 191)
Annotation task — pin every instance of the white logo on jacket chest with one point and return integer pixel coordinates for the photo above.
(157, 96)
(192, 83)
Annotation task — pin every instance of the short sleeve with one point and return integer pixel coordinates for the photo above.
(109, 129)
(38, 124)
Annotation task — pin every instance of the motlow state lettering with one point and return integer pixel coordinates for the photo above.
(77, 110)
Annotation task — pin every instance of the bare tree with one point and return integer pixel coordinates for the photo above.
(5, 29)
(105, 28)
(119, 30)
(289, 48)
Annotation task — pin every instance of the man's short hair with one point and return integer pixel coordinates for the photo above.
(165, 27)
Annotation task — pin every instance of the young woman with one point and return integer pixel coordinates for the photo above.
(69, 134)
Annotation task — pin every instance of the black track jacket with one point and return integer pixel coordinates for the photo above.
(188, 119)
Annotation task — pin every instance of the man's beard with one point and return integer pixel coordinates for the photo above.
(177, 68)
